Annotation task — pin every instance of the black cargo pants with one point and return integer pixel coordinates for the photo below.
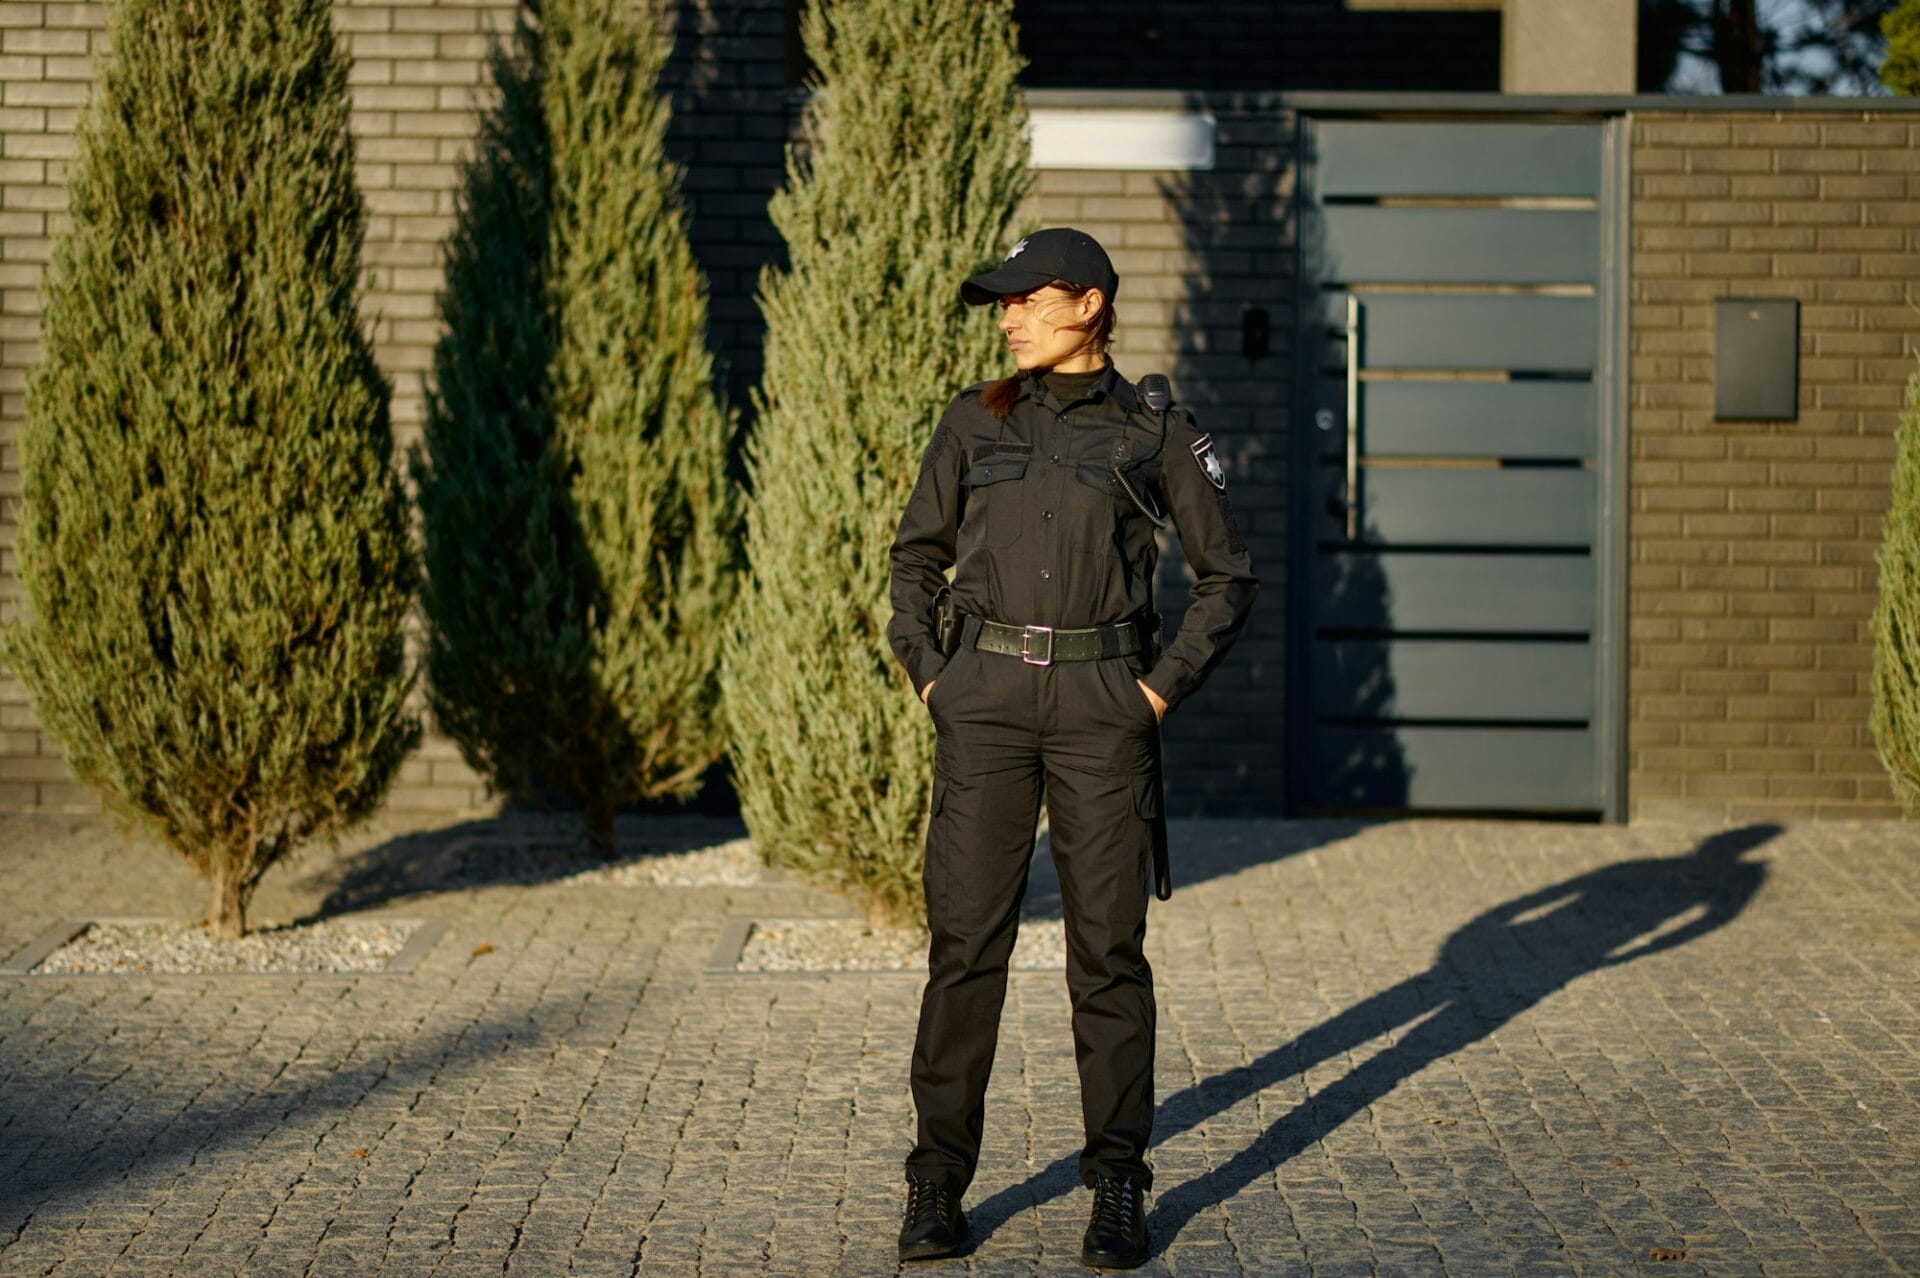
(1087, 730)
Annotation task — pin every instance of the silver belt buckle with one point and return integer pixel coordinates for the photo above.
(1026, 645)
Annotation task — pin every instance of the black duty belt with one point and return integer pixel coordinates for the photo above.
(1044, 645)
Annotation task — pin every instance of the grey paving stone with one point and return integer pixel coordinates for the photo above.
(1432, 1047)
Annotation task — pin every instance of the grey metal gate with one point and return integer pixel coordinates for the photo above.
(1456, 468)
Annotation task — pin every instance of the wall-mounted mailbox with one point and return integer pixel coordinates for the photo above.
(1756, 359)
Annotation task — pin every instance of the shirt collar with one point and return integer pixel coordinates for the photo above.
(1111, 384)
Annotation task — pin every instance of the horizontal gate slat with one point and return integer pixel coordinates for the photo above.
(1510, 594)
(1365, 157)
(1518, 507)
(1454, 768)
(1471, 419)
(1362, 244)
(1502, 334)
(1452, 679)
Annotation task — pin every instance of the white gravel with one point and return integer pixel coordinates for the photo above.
(729, 864)
(360, 945)
(333, 945)
(850, 945)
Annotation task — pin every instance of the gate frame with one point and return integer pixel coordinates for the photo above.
(1611, 371)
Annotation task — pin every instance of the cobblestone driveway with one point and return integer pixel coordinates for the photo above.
(1413, 1048)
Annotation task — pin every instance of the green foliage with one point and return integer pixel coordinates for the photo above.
(1803, 48)
(214, 540)
(910, 168)
(581, 528)
(1900, 70)
(1896, 614)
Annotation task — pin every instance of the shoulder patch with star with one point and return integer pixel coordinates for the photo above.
(1209, 460)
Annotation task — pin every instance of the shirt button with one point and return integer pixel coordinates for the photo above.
(1046, 574)
(1056, 458)
(1047, 513)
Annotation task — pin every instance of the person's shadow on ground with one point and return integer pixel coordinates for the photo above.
(1488, 972)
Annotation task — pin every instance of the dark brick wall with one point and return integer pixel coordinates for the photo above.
(735, 105)
(1254, 44)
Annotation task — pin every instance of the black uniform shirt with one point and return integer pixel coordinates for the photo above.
(1027, 512)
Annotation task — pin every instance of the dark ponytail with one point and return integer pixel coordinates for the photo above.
(999, 396)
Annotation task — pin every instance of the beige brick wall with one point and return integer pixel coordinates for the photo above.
(1752, 577)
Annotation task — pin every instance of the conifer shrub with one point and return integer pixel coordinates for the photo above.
(1896, 614)
(1900, 69)
(909, 170)
(214, 542)
(581, 528)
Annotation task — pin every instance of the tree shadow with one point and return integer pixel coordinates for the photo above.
(518, 580)
(66, 1139)
(1201, 850)
(1488, 972)
(734, 111)
(1228, 344)
(1261, 355)
(520, 848)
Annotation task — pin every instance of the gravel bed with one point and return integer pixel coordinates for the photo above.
(850, 945)
(333, 945)
(729, 864)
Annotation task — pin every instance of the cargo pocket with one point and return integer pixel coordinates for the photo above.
(993, 485)
(1146, 794)
(1155, 877)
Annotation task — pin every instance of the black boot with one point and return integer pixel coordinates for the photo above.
(933, 1224)
(1117, 1234)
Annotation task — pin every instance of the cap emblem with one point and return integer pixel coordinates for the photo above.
(1017, 250)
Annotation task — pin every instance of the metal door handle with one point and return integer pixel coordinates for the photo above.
(1353, 417)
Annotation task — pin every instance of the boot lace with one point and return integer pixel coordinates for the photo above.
(925, 1202)
(1113, 1204)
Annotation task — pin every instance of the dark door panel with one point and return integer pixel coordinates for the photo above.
(1450, 527)
(1536, 681)
(1409, 592)
(1370, 159)
(1529, 421)
(1542, 769)
(1507, 507)
(1480, 332)
(1460, 246)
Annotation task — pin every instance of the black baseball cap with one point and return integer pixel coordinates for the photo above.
(1057, 253)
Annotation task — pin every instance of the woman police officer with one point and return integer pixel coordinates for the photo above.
(1042, 491)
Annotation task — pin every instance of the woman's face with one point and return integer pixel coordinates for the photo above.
(1045, 328)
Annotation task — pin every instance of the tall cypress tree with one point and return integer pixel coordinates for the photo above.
(1900, 69)
(911, 165)
(1896, 614)
(214, 542)
(581, 528)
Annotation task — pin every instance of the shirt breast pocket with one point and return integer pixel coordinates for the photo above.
(994, 486)
(1092, 506)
